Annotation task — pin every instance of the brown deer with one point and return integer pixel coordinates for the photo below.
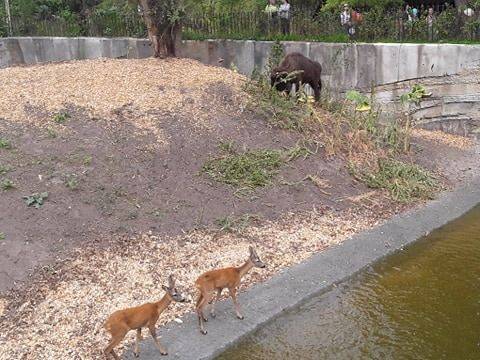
(146, 315)
(217, 280)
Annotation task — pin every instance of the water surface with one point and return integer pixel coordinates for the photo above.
(420, 303)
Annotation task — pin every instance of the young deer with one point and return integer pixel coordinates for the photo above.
(220, 279)
(146, 315)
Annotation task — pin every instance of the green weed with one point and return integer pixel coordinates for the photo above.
(227, 146)
(5, 169)
(51, 132)
(405, 182)
(87, 160)
(157, 212)
(36, 199)
(71, 181)
(2, 236)
(231, 224)
(7, 184)
(61, 117)
(225, 224)
(300, 150)
(5, 144)
(277, 52)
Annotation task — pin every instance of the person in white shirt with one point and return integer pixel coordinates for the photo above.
(284, 14)
(346, 21)
(271, 10)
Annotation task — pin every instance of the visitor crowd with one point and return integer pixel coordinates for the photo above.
(279, 15)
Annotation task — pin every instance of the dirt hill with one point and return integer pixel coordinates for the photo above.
(122, 148)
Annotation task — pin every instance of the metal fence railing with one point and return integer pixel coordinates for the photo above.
(448, 25)
(93, 26)
(376, 25)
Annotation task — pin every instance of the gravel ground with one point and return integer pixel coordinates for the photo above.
(75, 297)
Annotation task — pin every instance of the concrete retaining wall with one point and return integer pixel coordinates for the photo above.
(345, 66)
(36, 50)
(391, 69)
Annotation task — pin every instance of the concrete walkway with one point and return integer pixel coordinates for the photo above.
(294, 286)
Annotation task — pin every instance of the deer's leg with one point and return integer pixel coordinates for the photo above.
(212, 310)
(201, 318)
(208, 300)
(136, 352)
(201, 304)
(159, 346)
(117, 336)
(233, 294)
(199, 307)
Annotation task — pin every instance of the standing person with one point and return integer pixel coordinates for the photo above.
(357, 17)
(399, 22)
(414, 13)
(408, 13)
(430, 23)
(272, 14)
(271, 9)
(284, 14)
(346, 21)
(408, 19)
(422, 10)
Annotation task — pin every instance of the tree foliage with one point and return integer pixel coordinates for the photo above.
(363, 4)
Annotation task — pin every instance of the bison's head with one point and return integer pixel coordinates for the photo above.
(278, 79)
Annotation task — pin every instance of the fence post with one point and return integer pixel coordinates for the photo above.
(9, 17)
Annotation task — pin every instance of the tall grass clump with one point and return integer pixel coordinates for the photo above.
(404, 181)
(251, 169)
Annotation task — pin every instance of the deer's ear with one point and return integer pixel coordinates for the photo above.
(171, 281)
(250, 248)
(165, 288)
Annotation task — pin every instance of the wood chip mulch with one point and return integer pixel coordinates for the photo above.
(61, 316)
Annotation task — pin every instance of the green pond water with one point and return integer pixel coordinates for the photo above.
(420, 303)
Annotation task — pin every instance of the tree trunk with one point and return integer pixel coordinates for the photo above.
(168, 40)
(164, 37)
(9, 18)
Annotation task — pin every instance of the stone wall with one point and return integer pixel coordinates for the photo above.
(36, 50)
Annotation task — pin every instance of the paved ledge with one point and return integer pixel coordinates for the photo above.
(296, 285)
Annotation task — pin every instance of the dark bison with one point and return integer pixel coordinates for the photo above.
(305, 71)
